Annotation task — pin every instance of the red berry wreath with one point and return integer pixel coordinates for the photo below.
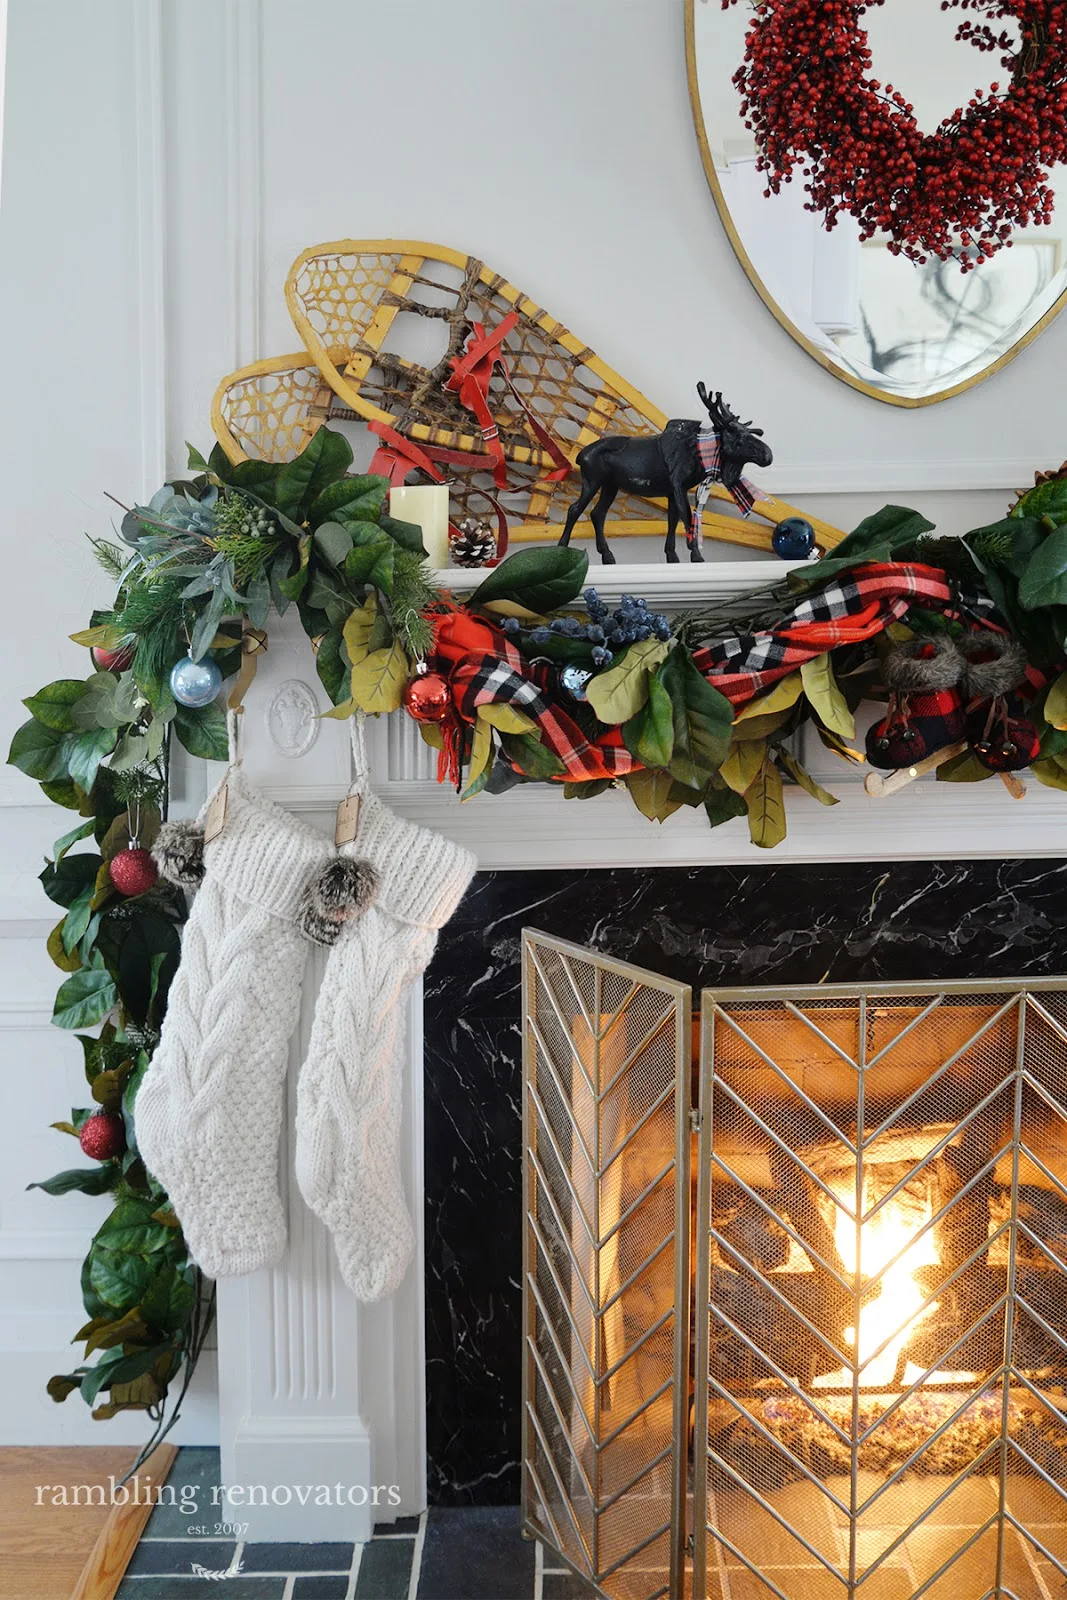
(960, 191)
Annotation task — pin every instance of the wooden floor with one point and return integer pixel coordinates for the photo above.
(45, 1546)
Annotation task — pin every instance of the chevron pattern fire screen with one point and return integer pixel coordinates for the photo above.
(860, 1392)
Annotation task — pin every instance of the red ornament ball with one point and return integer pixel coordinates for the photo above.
(103, 1136)
(427, 698)
(111, 660)
(133, 871)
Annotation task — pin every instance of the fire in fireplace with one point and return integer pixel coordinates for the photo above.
(796, 1317)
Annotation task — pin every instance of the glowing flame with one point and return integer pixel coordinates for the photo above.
(891, 1235)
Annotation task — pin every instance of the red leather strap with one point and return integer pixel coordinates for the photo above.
(471, 373)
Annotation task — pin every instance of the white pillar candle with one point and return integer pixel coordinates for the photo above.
(426, 505)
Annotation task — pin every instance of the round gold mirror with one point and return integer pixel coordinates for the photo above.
(904, 332)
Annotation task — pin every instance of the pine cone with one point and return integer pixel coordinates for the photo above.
(472, 544)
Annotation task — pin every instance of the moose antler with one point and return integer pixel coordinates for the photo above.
(720, 413)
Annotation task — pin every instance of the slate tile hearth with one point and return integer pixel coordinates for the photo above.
(839, 922)
(460, 1554)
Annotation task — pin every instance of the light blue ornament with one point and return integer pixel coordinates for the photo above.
(574, 680)
(195, 683)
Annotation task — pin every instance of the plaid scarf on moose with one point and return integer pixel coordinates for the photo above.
(485, 668)
(744, 494)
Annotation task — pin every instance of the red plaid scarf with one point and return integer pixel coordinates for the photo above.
(484, 668)
(743, 493)
(852, 607)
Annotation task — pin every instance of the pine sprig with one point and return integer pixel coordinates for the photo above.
(414, 594)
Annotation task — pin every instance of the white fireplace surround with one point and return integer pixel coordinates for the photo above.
(313, 1387)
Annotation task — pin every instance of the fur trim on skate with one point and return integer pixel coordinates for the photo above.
(923, 664)
(994, 665)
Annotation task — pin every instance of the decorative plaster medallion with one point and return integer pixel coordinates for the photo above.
(292, 718)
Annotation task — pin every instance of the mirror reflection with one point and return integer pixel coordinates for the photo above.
(905, 332)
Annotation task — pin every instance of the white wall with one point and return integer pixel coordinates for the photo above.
(164, 161)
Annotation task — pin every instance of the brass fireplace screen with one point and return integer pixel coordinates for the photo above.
(795, 1306)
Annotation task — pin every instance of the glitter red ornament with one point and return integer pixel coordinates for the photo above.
(103, 1136)
(133, 871)
(958, 192)
(427, 697)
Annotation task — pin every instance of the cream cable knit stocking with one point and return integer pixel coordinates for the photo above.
(349, 1093)
(210, 1106)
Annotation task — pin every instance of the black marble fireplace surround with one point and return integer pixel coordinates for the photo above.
(849, 922)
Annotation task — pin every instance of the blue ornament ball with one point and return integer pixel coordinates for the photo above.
(793, 539)
(574, 680)
(195, 683)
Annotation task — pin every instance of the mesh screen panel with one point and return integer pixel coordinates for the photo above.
(606, 1272)
(881, 1322)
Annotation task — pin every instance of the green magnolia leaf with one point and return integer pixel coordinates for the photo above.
(147, 963)
(85, 998)
(804, 778)
(766, 808)
(372, 560)
(825, 698)
(119, 1278)
(650, 791)
(52, 704)
(40, 752)
(1055, 708)
(1048, 499)
(330, 593)
(877, 538)
(325, 458)
(90, 1180)
(77, 920)
(291, 585)
(130, 1227)
(361, 496)
(194, 460)
(332, 666)
(103, 1333)
(531, 756)
(541, 580)
(64, 881)
(169, 1301)
(1006, 544)
(1044, 580)
(333, 542)
(65, 960)
(82, 831)
(722, 805)
(587, 791)
(703, 719)
(64, 793)
(619, 693)
(86, 753)
(650, 734)
(408, 535)
(203, 732)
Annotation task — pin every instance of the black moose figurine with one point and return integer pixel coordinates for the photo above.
(670, 464)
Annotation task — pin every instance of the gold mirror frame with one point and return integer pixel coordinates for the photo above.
(909, 401)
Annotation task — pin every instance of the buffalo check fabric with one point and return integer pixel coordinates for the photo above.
(743, 493)
(852, 607)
